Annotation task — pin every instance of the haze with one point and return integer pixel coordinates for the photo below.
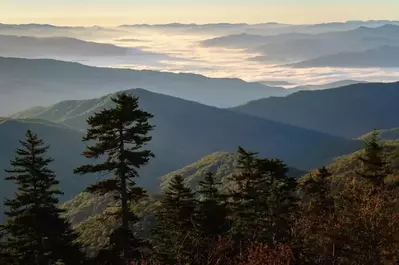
(107, 13)
(303, 44)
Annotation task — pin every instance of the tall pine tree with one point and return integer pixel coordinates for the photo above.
(263, 199)
(375, 167)
(245, 198)
(119, 133)
(212, 212)
(174, 234)
(316, 222)
(280, 193)
(35, 233)
(211, 217)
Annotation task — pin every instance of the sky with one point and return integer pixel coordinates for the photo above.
(116, 12)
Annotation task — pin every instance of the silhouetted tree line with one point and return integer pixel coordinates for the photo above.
(259, 217)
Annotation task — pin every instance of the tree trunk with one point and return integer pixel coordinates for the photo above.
(125, 210)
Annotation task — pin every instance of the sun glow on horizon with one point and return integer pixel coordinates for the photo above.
(116, 12)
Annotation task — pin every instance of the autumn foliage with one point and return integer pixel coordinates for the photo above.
(262, 254)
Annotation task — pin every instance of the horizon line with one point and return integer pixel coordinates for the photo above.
(198, 24)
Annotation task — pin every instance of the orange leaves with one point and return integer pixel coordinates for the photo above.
(261, 254)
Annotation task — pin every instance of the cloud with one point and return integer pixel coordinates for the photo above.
(180, 51)
(185, 54)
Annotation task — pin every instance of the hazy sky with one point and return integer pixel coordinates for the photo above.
(114, 12)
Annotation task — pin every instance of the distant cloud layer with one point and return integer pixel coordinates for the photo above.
(186, 54)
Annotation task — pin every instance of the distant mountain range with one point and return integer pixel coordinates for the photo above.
(72, 49)
(23, 46)
(276, 83)
(47, 30)
(269, 28)
(355, 23)
(351, 23)
(384, 56)
(28, 82)
(336, 84)
(348, 111)
(295, 47)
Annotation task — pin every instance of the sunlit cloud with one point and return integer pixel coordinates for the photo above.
(187, 56)
(181, 52)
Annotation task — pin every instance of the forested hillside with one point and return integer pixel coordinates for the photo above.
(88, 212)
(222, 164)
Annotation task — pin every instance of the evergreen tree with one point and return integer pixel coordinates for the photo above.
(211, 216)
(263, 199)
(246, 198)
(316, 192)
(174, 234)
(111, 255)
(315, 225)
(35, 233)
(120, 134)
(374, 168)
(279, 192)
(5, 255)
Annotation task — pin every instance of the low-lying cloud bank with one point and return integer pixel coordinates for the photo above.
(179, 48)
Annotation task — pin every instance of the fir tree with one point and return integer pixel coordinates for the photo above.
(316, 222)
(316, 192)
(279, 191)
(111, 255)
(210, 217)
(212, 212)
(174, 234)
(245, 197)
(263, 199)
(5, 255)
(374, 168)
(35, 233)
(120, 134)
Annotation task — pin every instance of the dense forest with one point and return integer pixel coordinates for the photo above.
(258, 211)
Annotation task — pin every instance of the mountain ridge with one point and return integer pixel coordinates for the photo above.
(384, 56)
(46, 81)
(178, 116)
(348, 111)
(295, 47)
